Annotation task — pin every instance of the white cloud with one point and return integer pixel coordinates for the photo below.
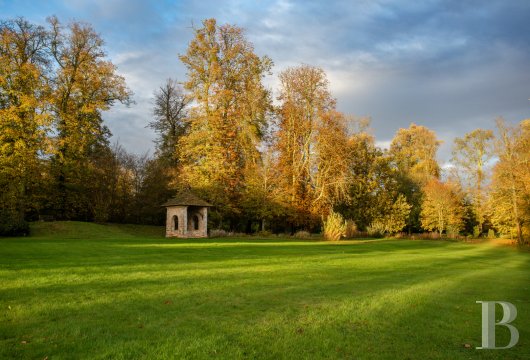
(449, 66)
(383, 144)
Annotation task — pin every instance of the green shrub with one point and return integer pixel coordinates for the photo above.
(334, 227)
(11, 226)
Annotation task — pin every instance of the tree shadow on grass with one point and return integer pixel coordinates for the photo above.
(254, 310)
(438, 324)
(82, 254)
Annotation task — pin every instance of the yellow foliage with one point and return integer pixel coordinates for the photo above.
(510, 188)
(334, 227)
(442, 207)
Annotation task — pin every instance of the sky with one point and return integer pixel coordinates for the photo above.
(452, 66)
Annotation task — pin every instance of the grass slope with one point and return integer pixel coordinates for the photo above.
(77, 290)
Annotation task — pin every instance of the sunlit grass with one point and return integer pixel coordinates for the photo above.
(76, 290)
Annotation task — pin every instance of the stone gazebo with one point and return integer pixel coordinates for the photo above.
(187, 216)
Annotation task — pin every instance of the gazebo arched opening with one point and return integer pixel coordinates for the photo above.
(175, 222)
(195, 220)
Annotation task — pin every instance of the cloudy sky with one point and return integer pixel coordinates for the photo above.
(452, 66)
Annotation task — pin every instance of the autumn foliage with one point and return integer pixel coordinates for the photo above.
(442, 207)
(289, 164)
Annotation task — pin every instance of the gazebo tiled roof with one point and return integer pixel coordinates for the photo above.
(186, 198)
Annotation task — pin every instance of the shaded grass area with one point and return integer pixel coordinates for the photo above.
(78, 290)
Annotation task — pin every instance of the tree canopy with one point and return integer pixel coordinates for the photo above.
(294, 163)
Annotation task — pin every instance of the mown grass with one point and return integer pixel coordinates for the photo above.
(77, 290)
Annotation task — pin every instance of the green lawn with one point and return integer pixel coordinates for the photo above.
(76, 290)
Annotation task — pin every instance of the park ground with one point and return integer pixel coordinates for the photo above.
(77, 290)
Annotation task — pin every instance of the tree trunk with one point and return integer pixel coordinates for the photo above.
(516, 212)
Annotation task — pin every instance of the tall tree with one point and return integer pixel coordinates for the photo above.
(331, 163)
(413, 153)
(103, 178)
(373, 183)
(127, 197)
(155, 189)
(471, 155)
(229, 115)
(84, 85)
(312, 144)
(442, 208)
(510, 193)
(24, 124)
(170, 122)
(262, 201)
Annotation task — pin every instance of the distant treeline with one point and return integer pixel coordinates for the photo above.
(296, 165)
